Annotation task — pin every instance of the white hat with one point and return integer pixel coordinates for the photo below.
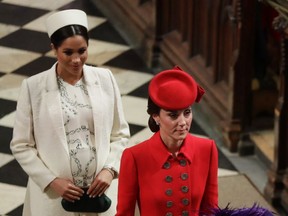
(64, 18)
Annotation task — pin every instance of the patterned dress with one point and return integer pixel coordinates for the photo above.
(79, 128)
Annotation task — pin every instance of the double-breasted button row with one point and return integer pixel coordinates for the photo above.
(184, 201)
(184, 213)
(184, 189)
(179, 177)
(184, 176)
(167, 164)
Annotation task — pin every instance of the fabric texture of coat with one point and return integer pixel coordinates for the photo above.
(39, 141)
(162, 185)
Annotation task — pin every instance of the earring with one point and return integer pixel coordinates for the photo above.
(157, 123)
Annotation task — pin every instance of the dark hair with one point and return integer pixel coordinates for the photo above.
(68, 31)
(152, 108)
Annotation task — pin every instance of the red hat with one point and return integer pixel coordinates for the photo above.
(174, 89)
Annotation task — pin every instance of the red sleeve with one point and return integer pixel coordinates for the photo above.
(128, 188)
(210, 198)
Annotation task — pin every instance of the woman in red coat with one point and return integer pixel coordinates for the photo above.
(173, 173)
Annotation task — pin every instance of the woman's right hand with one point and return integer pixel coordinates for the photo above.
(66, 189)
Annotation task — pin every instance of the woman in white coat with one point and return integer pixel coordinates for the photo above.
(69, 131)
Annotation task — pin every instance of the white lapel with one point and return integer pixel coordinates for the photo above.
(95, 94)
(54, 107)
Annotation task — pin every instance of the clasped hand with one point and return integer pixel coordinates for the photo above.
(69, 191)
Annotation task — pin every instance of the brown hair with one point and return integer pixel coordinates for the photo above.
(152, 108)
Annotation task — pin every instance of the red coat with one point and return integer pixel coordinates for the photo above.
(163, 185)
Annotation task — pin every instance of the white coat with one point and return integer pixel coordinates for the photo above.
(39, 142)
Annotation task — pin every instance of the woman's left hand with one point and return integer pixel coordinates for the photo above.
(100, 184)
